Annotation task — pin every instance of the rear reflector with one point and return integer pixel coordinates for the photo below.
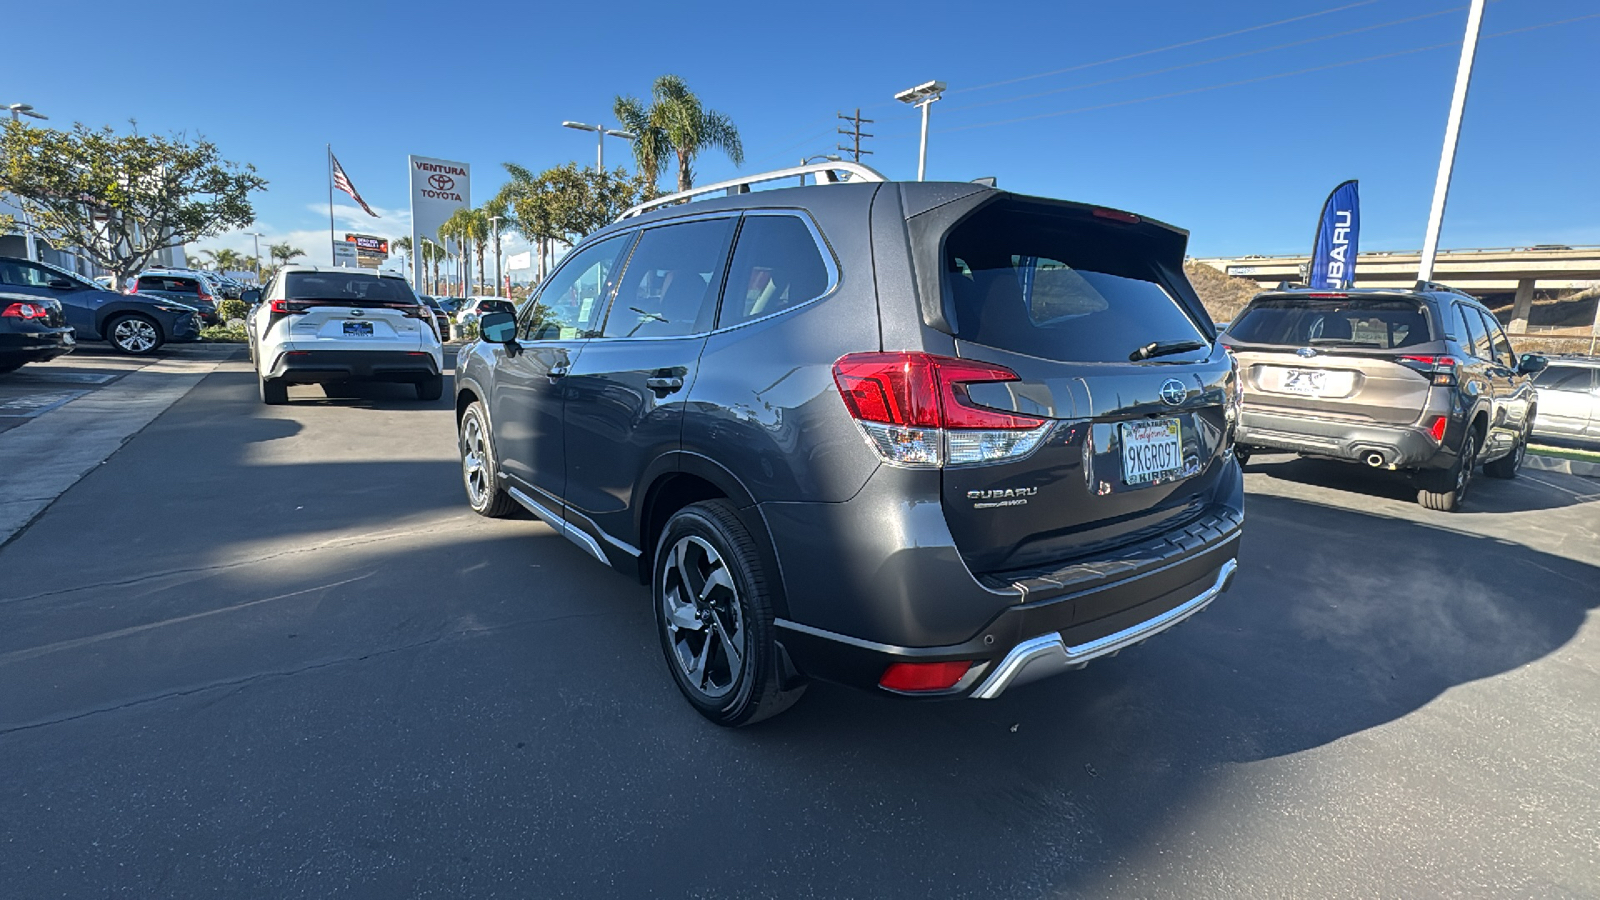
(919, 677)
(1438, 428)
(915, 410)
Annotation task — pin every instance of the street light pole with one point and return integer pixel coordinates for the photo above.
(825, 157)
(494, 222)
(258, 236)
(923, 95)
(600, 132)
(1452, 132)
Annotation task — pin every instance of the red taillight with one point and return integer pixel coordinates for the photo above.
(284, 307)
(1117, 215)
(25, 311)
(918, 677)
(1438, 428)
(922, 390)
(1441, 370)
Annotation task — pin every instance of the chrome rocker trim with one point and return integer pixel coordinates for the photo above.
(1048, 654)
(561, 526)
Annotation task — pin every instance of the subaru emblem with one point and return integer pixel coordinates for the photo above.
(358, 312)
(1306, 352)
(1173, 392)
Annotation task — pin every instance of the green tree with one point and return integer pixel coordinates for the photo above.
(676, 122)
(224, 260)
(282, 254)
(122, 199)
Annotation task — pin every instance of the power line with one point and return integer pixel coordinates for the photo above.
(1257, 80)
(1207, 62)
(1178, 46)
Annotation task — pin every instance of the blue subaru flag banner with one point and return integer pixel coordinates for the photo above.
(1333, 254)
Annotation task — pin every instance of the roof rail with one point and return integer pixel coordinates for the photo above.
(824, 171)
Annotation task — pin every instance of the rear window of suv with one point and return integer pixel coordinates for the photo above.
(356, 287)
(1382, 323)
(1058, 287)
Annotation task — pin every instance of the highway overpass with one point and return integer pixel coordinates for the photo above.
(1492, 274)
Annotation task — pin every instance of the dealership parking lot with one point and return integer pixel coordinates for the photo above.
(268, 651)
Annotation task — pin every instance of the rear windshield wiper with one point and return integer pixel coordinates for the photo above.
(1164, 348)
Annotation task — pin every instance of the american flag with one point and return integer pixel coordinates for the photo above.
(342, 182)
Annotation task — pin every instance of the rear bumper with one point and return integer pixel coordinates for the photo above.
(1401, 446)
(1089, 608)
(35, 346)
(320, 366)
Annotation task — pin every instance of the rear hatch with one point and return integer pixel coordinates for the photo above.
(354, 311)
(1360, 357)
(1111, 351)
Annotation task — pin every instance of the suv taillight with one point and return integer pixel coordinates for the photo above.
(282, 307)
(915, 410)
(25, 311)
(1441, 370)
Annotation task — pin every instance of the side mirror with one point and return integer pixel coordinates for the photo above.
(1532, 364)
(251, 296)
(496, 306)
(498, 328)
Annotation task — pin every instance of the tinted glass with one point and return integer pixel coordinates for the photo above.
(337, 287)
(572, 298)
(1036, 281)
(1498, 340)
(776, 265)
(1565, 378)
(23, 275)
(1377, 322)
(1475, 339)
(670, 285)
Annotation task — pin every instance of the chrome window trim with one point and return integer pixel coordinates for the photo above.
(829, 262)
(595, 335)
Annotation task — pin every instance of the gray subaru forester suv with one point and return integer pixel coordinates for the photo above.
(1420, 382)
(929, 439)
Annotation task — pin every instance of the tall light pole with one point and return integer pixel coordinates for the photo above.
(1452, 131)
(600, 134)
(258, 236)
(494, 223)
(18, 110)
(825, 157)
(923, 95)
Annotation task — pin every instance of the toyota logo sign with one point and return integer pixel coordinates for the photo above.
(1173, 392)
(441, 182)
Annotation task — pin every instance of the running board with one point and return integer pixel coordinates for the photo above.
(562, 527)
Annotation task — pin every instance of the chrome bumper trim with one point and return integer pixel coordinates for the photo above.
(1048, 654)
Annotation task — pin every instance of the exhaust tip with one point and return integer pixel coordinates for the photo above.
(1374, 459)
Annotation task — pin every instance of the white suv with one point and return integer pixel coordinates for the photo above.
(324, 325)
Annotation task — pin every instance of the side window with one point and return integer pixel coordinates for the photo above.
(1501, 344)
(31, 276)
(1564, 378)
(572, 298)
(1473, 336)
(670, 285)
(776, 265)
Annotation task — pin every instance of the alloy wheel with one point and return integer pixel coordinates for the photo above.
(135, 335)
(473, 469)
(704, 617)
(1469, 460)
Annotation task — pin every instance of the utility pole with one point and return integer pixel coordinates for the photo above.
(855, 134)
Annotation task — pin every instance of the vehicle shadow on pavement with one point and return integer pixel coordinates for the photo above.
(366, 395)
(1485, 494)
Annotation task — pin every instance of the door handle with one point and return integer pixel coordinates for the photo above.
(557, 372)
(665, 385)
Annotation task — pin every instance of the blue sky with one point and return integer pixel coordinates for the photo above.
(1239, 156)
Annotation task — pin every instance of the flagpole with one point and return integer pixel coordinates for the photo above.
(332, 249)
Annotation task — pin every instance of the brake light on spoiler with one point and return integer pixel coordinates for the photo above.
(915, 411)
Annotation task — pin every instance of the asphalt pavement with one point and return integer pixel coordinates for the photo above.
(269, 652)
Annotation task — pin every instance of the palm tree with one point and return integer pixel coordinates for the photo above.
(498, 207)
(282, 253)
(468, 228)
(676, 122)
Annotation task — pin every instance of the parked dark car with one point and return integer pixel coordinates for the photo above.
(132, 324)
(926, 439)
(190, 290)
(441, 318)
(1422, 382)
(31, 330)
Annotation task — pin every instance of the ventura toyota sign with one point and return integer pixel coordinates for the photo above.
(439, 187)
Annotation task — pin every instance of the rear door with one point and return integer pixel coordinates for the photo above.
(1351, 357)
(625, 393)
(1066, 299)
(1513, 391)
(1565, 399)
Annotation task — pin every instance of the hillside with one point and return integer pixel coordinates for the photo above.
(1223, 295)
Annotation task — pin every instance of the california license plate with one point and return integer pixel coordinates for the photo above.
(1151, 450)
(358, 329)
(1310, 382)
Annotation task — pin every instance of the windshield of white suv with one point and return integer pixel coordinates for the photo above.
(339, 287)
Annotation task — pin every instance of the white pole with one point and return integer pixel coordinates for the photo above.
(600, 152)
(922, 153)
(1452, 131)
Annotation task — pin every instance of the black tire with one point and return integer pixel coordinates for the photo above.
(1509, 465)
(1242, 454)
(479, 474)
(273, 391)
(705, 548)
(431, 388)
(133, 334)
(1447, 491)
(9, 367)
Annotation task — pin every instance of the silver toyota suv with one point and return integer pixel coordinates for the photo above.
(928, 439)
